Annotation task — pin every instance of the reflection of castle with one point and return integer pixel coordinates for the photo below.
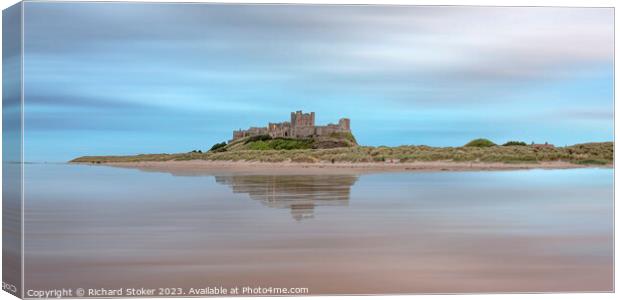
(300, 126)
(300, 193)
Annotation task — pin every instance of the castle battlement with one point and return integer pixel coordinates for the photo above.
(301, 125)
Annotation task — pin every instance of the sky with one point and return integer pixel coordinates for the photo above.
(129, 78)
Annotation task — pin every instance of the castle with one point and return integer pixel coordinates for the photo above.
(300, 126)
(300, 193)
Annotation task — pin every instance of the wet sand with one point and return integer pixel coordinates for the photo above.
(247, 167)
(383, 233)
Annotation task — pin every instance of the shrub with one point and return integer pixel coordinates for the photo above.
(255, 138)
(286, 144)
(344, 135)
(514, 143)
(259, 145)
(216, 146)
(480, 143)
(280, 144)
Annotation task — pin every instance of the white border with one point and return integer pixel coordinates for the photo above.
(21, 154)
(564, 3)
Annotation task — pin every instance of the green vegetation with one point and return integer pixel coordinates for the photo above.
(274, 150)
(266, 142)
(592, 162)
(480, 143)
(514, 143)
(347, 136)
(255, 138)
(279, 144)
(218, 146)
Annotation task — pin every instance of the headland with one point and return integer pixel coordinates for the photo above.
(302, 145)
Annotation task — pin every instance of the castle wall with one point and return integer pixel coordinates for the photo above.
(327, 129)
(237, 134)
(304, 131)
(252, 131)
(257, 130)
(279, 129)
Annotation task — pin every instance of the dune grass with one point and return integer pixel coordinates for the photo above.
(587, 154)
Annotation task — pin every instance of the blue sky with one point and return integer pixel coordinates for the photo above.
(128, 78)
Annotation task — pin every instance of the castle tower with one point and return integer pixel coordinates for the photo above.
(345, 124)
(299, 119)
(302, 125)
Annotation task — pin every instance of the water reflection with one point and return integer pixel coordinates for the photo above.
(443, 232)
(299, 193)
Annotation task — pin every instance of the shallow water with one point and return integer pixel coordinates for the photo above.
(434, 232)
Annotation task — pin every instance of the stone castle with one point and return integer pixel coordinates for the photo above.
(300, 126)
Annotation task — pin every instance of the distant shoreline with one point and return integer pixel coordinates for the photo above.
(207, 166)
(373, 159)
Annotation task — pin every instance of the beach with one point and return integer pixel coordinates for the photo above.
(252, 167)
(332, 232)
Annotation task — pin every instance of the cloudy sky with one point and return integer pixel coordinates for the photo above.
(126, 78)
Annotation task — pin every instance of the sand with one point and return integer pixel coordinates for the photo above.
(335, 168)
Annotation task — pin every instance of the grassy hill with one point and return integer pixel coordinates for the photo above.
(280, 150)
(265, 142)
